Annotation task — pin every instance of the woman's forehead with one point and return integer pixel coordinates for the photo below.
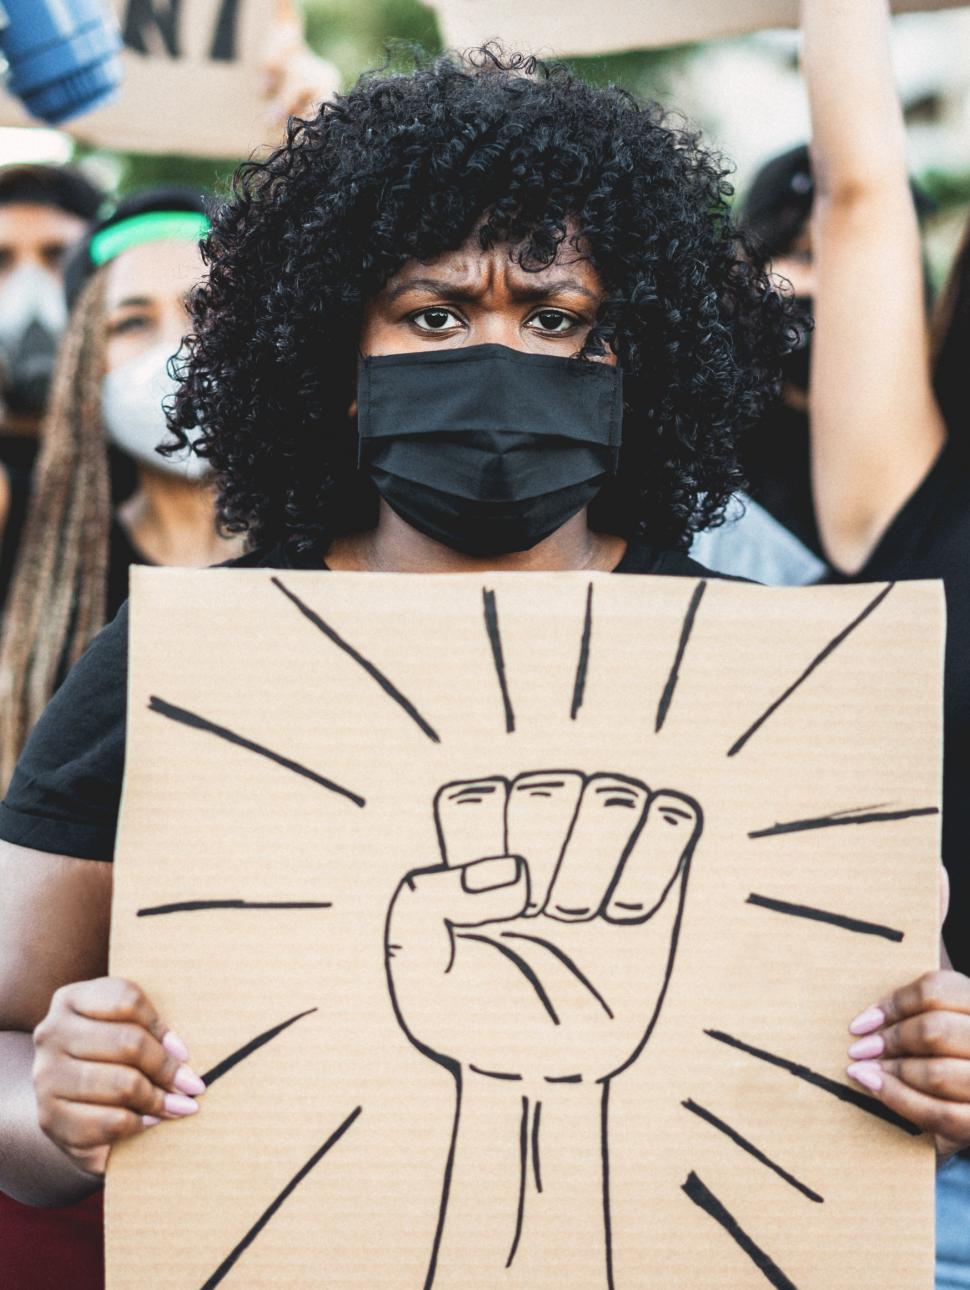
(153, 270)
(472, 264)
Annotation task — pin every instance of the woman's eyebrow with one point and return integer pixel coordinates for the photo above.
(134, 302)
(445, 290)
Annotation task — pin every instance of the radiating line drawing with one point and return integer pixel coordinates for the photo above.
(816, 662)
(667, 697)
(372, 670)
(747, 1145)
(240, 1054)
(839, 819)
(841, 1091)
(498, 658)
(237, 1252)
(582, 664)
(545, 918)
(196, 906)
(195, 722)
(826, 916)
(704, 1198)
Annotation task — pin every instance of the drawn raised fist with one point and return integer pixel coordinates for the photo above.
(541, 949)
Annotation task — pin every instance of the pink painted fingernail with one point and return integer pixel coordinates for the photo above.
(186, 1081)
(173, 1045)
(149, 1120)
(871, 1046)
(176, 1104)
(867, 1021)
(868, 1074)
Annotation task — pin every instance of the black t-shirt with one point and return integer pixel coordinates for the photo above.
(930, 538)
(775, 458)
(66, 790)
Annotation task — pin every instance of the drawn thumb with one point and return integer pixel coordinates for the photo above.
(430, 901)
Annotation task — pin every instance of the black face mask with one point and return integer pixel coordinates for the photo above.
(486, 449)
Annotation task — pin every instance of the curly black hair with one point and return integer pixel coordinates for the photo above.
(406, 166)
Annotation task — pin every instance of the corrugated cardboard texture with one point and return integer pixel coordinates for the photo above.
(574, 27)
(289, 736)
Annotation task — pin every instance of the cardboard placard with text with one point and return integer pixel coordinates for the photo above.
(516, 923)
(574, 27)
(192, 81)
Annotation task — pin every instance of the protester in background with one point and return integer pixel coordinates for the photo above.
(44, 210)
(127, 283)
(889, 446)
(776, 216)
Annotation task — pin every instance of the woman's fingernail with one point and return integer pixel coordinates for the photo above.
(867, 1021)
(871, 1046)
(186, 1081)
(149, 1120)
(487, 875)
(868, 1074)
(174, 1046)
(176, 1104)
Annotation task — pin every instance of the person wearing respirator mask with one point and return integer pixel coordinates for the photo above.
(44, 211)
(127, 283)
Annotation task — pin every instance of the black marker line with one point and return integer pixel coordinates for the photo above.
(567, 962)
(190, 906)
(705, 1199)
(227, 1263)
(536, 1169)
(605, 1162)
(492, 1074)
(825, 916)
(388, 686)
(196, 722)
(668, 691)
(521, 964)
(582, 665)
(523, 1165)
(841, 1091)
(446, 1180)
(227, 1063)
(495, 640)
(563, 1079)
(751, 1149)
(840, 818)
(817, 661)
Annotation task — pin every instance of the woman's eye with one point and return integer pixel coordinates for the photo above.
(134, 322)
(552, 321)
(434, 319)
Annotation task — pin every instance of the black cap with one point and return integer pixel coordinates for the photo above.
(778, 204)
(64, 188)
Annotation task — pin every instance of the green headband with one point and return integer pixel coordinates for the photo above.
(153, 226)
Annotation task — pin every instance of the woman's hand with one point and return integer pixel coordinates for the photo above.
(914, 1055)
(107, 1067)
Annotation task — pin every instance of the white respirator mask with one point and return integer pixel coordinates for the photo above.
(132, 408)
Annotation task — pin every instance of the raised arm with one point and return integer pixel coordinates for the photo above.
(876, 429)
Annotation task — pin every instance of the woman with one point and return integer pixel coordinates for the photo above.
(890, 455)
(127, 283)
(457, 222)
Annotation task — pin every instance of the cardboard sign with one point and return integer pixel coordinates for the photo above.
(575, 27)
(516, 923)
(192, 81)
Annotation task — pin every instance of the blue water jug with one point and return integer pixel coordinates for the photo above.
(62, 55)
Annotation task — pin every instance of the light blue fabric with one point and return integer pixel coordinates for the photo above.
(752, 544)
(953, 1226)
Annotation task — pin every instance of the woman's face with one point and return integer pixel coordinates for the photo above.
(145, 294)
(475, 297)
